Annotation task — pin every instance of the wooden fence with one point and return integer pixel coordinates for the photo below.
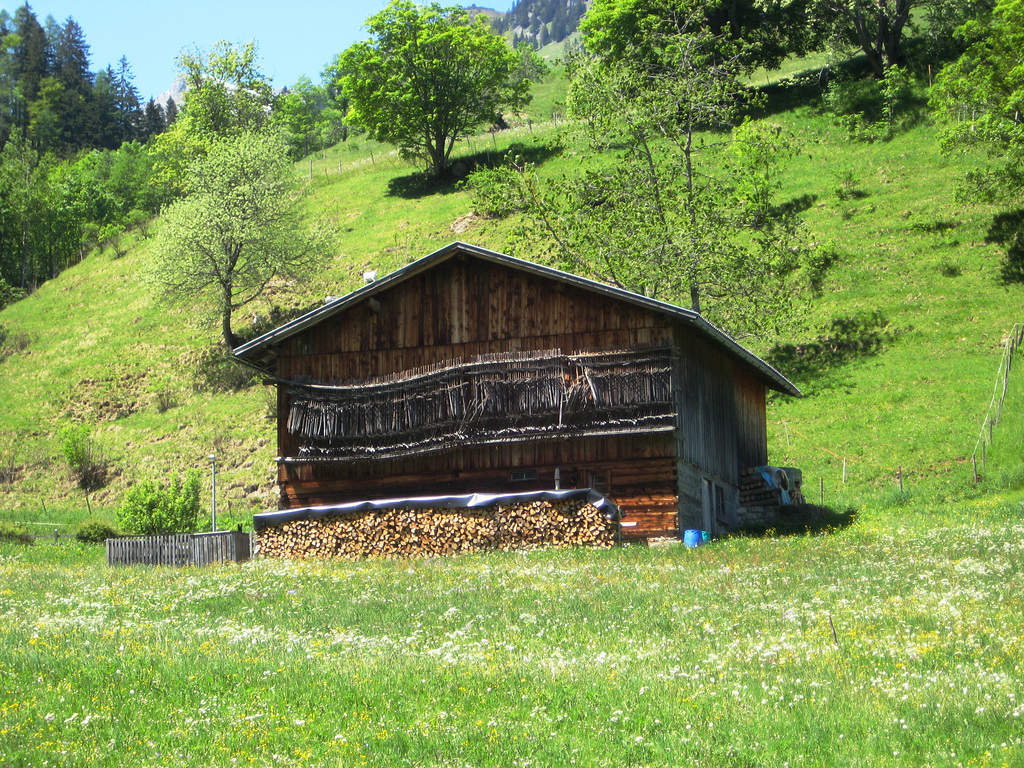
(180, 549)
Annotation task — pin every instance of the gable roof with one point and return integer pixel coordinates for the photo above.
(261, 351)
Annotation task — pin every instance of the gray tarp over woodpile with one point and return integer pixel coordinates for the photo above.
(491, 398)
(469, 501)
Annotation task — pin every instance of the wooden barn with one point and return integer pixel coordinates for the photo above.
(471, 371)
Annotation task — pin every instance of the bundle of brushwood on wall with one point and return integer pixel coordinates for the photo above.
(395, 533)
(491, 399)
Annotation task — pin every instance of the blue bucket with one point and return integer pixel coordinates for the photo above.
(692, 538)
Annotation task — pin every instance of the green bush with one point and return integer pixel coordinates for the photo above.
(150, 508)
(10, 532)
(95, 531)
(87, 466)
(9, 293)
(217, 370)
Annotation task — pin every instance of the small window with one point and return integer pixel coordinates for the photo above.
(522, 475)
(599, 481)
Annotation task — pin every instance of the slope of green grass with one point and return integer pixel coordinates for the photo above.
(901, 385)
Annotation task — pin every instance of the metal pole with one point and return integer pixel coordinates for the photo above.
(213, 498)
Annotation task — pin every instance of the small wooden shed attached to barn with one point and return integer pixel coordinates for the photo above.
(470, 371)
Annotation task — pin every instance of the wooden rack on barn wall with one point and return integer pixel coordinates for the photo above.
(491, 398)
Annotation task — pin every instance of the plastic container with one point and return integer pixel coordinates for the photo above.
(692, 538)
(705, 537)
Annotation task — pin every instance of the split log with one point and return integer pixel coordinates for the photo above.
(395, 533)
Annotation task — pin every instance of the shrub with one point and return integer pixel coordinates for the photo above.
(845, 186)
(12, 343)
(949, 269)
(95, 531)
(10, 469)
(10, 532)
(821, 259)
(9, 293)
(87, 467)
(166, 398)
(150, 508)
(217, 370)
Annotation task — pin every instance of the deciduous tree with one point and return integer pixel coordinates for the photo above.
(226, 95)
(756, 33)
(681, 210)
(980, 98)
(428, 77)
(238, 227)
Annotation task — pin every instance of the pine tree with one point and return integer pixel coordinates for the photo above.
(76, 114)
(129, 109)
(104, 95)
(152, 121)
(31, 63)
(170, 112)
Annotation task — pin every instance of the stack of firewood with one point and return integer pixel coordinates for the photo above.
(756, 491)
(435, 532)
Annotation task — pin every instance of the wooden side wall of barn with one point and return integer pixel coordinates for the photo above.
(467, 307)
(721, 428)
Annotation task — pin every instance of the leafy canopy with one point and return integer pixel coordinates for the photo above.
(981, 100)
(238, 228)
(226, 95)
(762, 33)
(428, 77)
(679, 206)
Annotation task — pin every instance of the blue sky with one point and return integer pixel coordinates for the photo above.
(295, 39)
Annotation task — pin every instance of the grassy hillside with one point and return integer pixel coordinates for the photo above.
(897, 354)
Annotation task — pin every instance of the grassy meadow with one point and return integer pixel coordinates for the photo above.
(894, 642)
(897, 641)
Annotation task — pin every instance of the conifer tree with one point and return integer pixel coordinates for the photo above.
(76, 115)
(31, 63)
(129, 110)
(152, 121)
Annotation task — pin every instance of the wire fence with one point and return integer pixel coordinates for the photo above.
(976, 460)
(485, 143)
(995, 406)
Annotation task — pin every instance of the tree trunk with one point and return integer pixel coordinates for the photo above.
(881, 40)
(227, 335)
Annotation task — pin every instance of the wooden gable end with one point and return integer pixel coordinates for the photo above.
(461, 308)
